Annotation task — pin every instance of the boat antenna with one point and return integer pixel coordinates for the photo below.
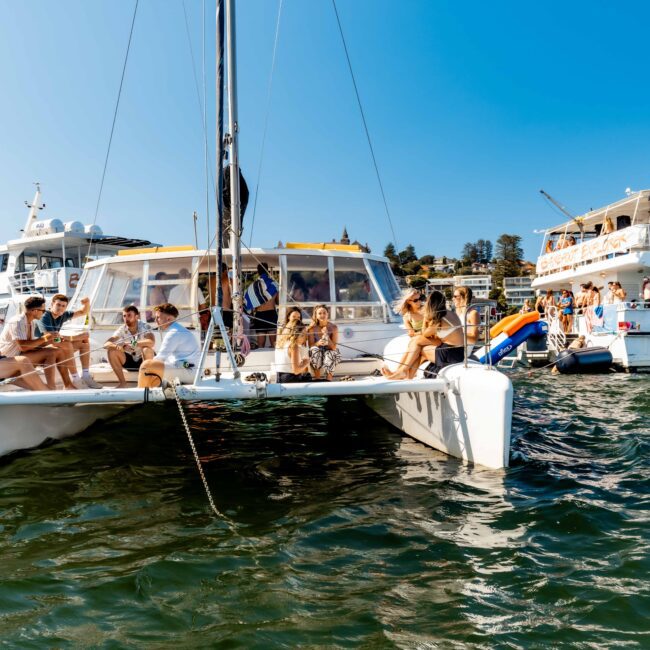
(232, 142)
(34, 207)
(564, 211)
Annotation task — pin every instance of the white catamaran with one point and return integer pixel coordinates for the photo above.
(465, 411)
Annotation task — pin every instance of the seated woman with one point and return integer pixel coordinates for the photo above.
(23, 372)
(409, 307)
(441, 341)
(467, 314)
(291, 354)
(323, 339)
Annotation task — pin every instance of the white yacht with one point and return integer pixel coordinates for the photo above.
(612, 244)
(49, 257)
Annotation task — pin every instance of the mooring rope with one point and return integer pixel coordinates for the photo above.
(186, 425)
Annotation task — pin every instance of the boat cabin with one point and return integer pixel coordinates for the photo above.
(600, 244)
(356, 286)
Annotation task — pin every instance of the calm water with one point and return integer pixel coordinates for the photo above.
(340, 531)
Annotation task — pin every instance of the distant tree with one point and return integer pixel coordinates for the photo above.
(391, 253)
(427, 260)
(408, 254)
(469, 254)
(487, 251)
(508, 258)
(444, 259)
(498, 295)
(411, 268)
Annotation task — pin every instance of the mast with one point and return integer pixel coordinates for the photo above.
(34, 207)
(235, 234)
(219, 148)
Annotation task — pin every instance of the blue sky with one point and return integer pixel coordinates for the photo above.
(472, 107)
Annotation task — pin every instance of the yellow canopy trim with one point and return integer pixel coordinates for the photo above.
(353, 248)
(155, 249)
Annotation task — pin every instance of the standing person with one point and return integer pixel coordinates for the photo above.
(261, 298)
(226, 293)
(291, 354)
(19, 338)
(467, 315)
(526, 307)
(131, 344)
(323, 340)
(618, 293)
(409, 307)
(52, 321)
(179, 349)
(645, 292)
(549, 301)
(608, 298)
(566, 311)
(581, 299)
(539, 304)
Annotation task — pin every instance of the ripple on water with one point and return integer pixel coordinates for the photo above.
(339, 531)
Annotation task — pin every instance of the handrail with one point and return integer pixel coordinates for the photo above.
(486, 330)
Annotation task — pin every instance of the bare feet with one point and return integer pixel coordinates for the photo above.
(399, 374)
(122, 384)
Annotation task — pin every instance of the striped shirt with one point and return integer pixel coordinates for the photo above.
(16, 329)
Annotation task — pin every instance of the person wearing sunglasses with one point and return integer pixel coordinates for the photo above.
(19, 338)
(468, 315)
(409, 307)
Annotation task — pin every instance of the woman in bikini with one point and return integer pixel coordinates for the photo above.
(441, 340)
(409, 307)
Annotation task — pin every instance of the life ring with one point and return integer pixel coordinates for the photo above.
(73, 281)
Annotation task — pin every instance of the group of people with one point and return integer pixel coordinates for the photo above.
(33, 338)
(437, 334)
(305, 353)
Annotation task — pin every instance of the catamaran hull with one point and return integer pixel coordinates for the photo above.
(471, 420)
(27, 425)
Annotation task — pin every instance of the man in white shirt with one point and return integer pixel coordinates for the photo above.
(179, 349)
(131, 344)
(19, 338)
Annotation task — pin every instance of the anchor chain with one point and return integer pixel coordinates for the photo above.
(196, 455)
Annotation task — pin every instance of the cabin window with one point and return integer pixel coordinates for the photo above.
(172, 280)
(4, 260)
(307, 279)
(27, 263)
(386, 280)
(86, 287)
(120, 287)
(352, 282)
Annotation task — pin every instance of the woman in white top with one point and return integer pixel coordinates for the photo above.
(291, 354)
(467, 314)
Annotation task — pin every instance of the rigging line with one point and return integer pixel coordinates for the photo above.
(198, 92)
(266, 117)
(117, 106)
(365, 126)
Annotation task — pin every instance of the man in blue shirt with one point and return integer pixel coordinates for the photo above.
(52, 321)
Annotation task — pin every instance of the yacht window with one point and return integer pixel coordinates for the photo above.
(4, 260)
(49, 262)
(120, 287)
(374, 312)
(307, 279)
(352, 282)
(27, 263)
(386, 280)
(171, 280)
(86, 287)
